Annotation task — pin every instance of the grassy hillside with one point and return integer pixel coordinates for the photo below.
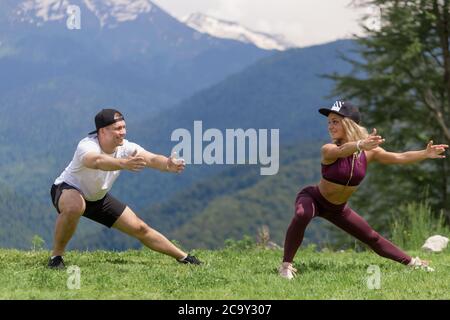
(231, 273)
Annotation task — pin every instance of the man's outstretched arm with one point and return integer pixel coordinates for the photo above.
(160, 162)
(104, 162)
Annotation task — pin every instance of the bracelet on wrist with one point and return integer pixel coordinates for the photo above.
(358, 145)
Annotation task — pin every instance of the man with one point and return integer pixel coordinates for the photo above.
(83, 188)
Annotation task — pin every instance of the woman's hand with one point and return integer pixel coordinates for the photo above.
(371, 142)
(435, 151)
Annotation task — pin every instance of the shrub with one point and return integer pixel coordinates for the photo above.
(247, 242)
(414, 223)
(37, 243)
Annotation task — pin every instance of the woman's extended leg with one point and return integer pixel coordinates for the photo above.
(349, 221)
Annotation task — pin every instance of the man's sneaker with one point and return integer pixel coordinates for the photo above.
(56, 262)
(417, 263)
(191, 260)
(287, 271)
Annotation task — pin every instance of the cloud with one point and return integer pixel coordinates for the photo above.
(303, 22)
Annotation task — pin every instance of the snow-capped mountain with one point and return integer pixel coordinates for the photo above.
(108, 12)
(127, 52)
(111, 13)
(231, 30)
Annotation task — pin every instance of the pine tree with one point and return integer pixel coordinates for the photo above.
(401, 81)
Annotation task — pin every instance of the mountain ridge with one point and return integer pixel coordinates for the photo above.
(232, 30)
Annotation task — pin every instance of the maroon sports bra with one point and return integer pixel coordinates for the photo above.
(349, 171)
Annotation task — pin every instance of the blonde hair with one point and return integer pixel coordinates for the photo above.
(353, 131)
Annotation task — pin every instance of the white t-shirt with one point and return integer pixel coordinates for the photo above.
(94, 183)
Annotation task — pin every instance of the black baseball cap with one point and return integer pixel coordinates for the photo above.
(344, 109)
(106, 117)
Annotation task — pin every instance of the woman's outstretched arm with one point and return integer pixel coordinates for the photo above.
(431, 152)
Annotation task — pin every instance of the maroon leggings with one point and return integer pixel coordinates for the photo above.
(310, 203)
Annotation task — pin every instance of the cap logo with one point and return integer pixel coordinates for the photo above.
(117, 117)
(337, 106)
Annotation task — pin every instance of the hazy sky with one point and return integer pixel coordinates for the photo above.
(303, 22)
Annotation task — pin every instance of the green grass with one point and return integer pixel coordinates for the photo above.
(231, 273)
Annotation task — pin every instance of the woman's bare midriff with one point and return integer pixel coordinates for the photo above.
(335, 193)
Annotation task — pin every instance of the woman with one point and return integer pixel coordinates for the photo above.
(344, 164)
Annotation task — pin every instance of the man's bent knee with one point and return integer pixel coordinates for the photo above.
(72, 203)
(73, 211)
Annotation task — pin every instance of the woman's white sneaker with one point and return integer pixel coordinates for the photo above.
(417, 263)
(287, 271)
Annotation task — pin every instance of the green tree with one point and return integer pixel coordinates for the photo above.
(401, 81)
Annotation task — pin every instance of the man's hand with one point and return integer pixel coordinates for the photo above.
(133, 163)
(174, 164)
(434, 151)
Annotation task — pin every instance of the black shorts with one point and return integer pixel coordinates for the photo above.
(105, 211)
